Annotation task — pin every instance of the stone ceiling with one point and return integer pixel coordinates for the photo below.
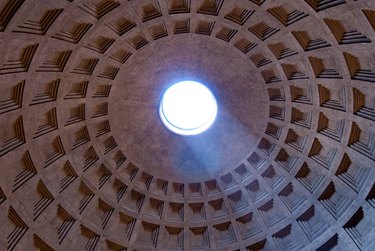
(87, 164)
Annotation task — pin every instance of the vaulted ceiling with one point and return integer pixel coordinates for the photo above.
(86, 163)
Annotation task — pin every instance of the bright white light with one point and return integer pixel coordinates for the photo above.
(188, 108)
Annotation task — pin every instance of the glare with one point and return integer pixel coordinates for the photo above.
(188, 108)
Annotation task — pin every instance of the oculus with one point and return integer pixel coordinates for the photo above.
(188, 108)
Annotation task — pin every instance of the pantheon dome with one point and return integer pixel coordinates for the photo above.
(87, 163)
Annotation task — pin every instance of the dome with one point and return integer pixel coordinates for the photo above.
(88, 164)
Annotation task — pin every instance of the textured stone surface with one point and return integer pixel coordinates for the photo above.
(86, 163)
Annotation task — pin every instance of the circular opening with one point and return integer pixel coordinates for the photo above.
(188, 108)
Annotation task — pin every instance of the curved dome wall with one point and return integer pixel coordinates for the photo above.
(87, 165)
